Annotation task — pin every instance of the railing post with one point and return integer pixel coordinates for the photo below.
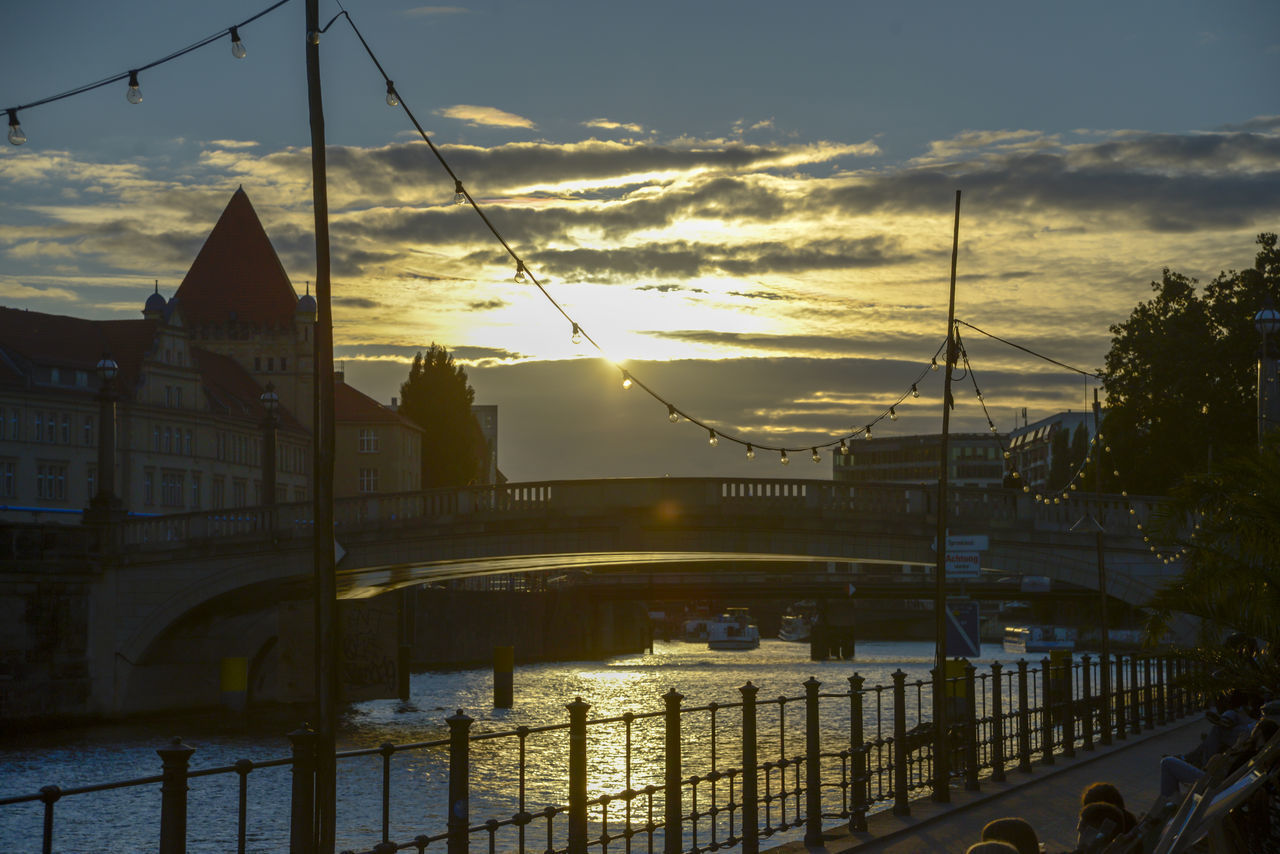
(812, 765)
(1046, 710)
(1149, 692)
(459, 782)
(1162, 670)
(1086, 701)
(1104, 699)
(578, 776)
(674, 829)
(1179, 687)
(302, 807)
(857, 757)
(900, 781)
(1067, 690)
(1135, 697)
(750, 772)
(173, 796)
(1024, 718)
(49, 796)
(971, 729)
(997, 722)
(1121, 723)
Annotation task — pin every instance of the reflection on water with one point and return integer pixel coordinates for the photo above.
(636, 683)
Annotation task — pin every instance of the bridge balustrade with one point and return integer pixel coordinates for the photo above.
(676, 778)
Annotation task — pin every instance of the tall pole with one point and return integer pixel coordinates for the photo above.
(1105, 670)
(325, 585)
(941, 758)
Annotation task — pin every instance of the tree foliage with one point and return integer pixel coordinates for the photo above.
(1179, 377)
(437, 397)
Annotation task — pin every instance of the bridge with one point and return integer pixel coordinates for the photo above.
(165, 591)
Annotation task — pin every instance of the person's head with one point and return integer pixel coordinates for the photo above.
(1015, 831)
(1098, 820)
(991, 847)
(1101, 792)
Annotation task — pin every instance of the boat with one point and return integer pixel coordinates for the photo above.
(734, 629)
(1021, 640)
(796, 627)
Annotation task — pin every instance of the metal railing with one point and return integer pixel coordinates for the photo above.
(708, 777)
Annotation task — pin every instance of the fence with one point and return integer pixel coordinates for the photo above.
(709, 777)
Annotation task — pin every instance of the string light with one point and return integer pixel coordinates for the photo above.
(783, 459)
(134, 94)
(712, 438)
(893, 414)
(237, 46)
(844, 448)
(313, 37)
(915, 392)
(520, 276)
(626, 380)
(16, 136)
(577, 334)
(460, 196)
(393, 100)
(817, 458)
(933, 364)
(672, 415)
(866, 431)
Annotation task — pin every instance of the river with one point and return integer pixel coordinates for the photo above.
(128, 819)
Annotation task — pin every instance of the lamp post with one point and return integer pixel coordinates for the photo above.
(1267, 322)
(271, 404)
(105, 506)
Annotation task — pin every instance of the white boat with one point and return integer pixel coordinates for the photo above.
(1021, 640)
(796, 627)
(733, 629)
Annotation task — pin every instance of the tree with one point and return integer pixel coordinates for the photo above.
(438, 398)
(1179, 377)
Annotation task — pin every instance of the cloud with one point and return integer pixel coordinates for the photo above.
(356, 302)
(608, 124)
(420, 11)
(485, 116)
(487, 305)
(233, 143)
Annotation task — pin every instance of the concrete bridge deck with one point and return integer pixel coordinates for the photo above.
(1048, 797)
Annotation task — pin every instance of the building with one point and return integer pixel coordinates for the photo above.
(487, 417)
(977, 459)
(1031, 447)
(202, 383)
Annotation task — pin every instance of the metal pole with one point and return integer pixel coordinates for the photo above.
(325, 583)
(750, 772)
(577, 776)
(1105, 625)
(857, 758)
(901, 779)
(812, 764)
(173, 797)
(302, 820)
(997, 723)
(459, 821)
(673, 814)
(941, 760)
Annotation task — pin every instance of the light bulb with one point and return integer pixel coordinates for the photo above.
(1039, 497)
(16, 136)
(844, 448)
(751, 452)
(712, 438)
(1007, 455)
(867, 431)
(672, 415)
(933, 364)
(237, 46)
(459, 195)
(1056, 499)
(393, 100)
(915, 392)
(626, 380)
(577, 334)
(1026, 489)
(1115, 472)
(979, 394)
(313, 37)
(1107, 448)
(817, 458)
(520, 276)
(1014, 474)
(893, 414)
(1124, 493)
(783, 459)
(134, 95)
(1072, 487)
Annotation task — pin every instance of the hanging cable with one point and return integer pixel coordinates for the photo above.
(1029, 351)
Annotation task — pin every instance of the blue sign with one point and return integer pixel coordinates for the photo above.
(962, 629)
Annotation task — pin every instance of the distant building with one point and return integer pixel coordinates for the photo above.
(1031, 446)
(487, 417)
(976, 459)
(376, 449)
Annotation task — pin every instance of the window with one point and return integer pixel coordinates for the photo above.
(51, 428)
(2, 422)
(148, 486)
(91, 480)
(15, 424)
(238, 492)
(87, 436)
(217, 493)
(8, 488)
(195, 490)
(171, 489)
(368, 480)
(299, 495)
(186, 443)
(38, 425)
(177, 396)
(368, 441)
(168, 396)
(51, 481)
(168, 440)
(155, 437)
(66, 429)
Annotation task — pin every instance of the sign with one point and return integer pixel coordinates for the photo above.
(964, 543)
(962, 629)
(963, 565)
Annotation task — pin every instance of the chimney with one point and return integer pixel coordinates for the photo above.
(340, 375)
(395, 404)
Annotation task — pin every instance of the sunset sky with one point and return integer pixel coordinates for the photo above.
(748, 205)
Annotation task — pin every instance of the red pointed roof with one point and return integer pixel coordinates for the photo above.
(237, 275)
(350, 405)
(73, 342)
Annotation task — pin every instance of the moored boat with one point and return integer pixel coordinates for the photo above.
(733, 629)
(1021, 640)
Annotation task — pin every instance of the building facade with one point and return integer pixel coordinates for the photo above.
(975, 459)
(376, 448)
(1031, 447)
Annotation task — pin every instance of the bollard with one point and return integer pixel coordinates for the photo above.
(1046, 711)
(971, 730)
(577, 776)
(1086, 701)
(504, 665)
(459, 783)
(1121, 725)
(673, 829)
(857, 757)
(997, 723)
(173, 796)
(1024, 719)
(812, 765)
(1135, 696)
(900, 804)
(303, 795)
(750, 773)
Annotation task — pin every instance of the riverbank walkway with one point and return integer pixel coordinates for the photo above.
(1048, 797)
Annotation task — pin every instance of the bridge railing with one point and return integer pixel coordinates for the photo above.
(678, 777)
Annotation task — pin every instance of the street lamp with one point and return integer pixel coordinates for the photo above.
(1267, 322)
(271, 404)
(105, 506)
